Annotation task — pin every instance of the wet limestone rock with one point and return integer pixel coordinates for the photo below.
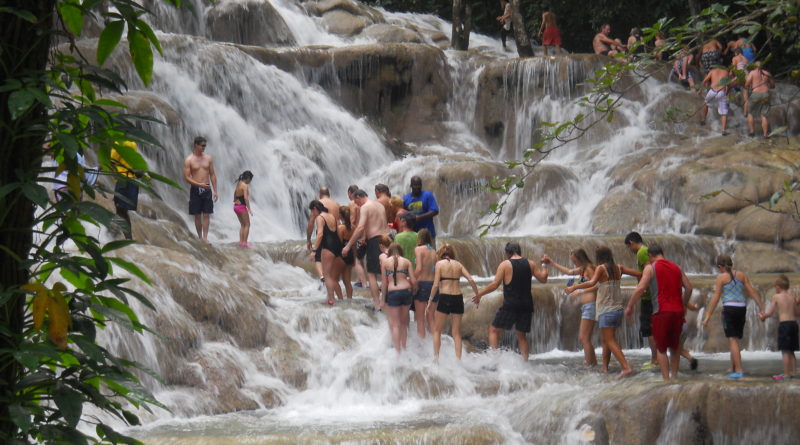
(344, 17)
(392, 34)
(249, 22)
(620, 212)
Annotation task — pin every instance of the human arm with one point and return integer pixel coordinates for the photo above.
(430, 207)
(623, 270)
(768, 313)
(714, 301)
(213, 175)
(563, 269)
(355, 236)
(187, 175)
(499, 277)
(320, 223)
(598, 271)
(539, 272)
(465, 273)
(753, 292)
(641, 288)
(687, 289)
(309, 231)
(384, 287)
(247, 199)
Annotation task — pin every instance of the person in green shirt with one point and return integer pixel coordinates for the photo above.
(635, 243)
(406, 237)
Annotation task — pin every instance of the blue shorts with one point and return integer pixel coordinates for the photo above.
(589, 311)
(400, 297)
(611, 319)
(424, 292)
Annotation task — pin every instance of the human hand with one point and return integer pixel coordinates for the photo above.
(345, 250)
(308, 246)
(705, 322)
(569, 289)
(545, 259)
(216, 197)
(477, 300)
(628, 312)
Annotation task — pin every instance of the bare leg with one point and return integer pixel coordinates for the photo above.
(244, 233)
(585, 336)
(327, 266)
(198, 225)
(336, 274)
(558, 49)
(652, 343)
(455, 331)
(494, 337)
(789, 363)
(751, 126)
(437, 333)
(346, 277)
(544, 49)
(404, 320)
(318, 267)
(724, 124)
(663, 363)
(360, 273)
(606, 352)
(430, 315)
(765, 125)
(674, 361)
(393, 317)
(686, 354)
(524, 348)
(703, 114)
(611, 341)
(419, 317)
(126, 231)
(206, 223)
(373, 289)
(736, 354)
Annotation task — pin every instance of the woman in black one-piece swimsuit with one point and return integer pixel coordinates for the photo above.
(331, 255)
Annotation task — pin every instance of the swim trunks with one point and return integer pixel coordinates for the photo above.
(373, 254)
(450, 304)
(424, 292)
(361, 250)
(400, 297)
(350, 258)
(507, 319)
(710, 59)
(646, 318)
(667, 330)
(788, 336)
(718, 98)
(589, 311)
(551, 36)
(733, 318)
(759, 104)
(604, 52)
(200, 200)
(126, 195)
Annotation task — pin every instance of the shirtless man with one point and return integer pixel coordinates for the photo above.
(605, 45)
(372, 224)
(360, 251)
(711, 55)
(333, 209)
(548, 31)
(198, 168)
(718, 80)
(760, 81)
(383, 196)
(505, 21)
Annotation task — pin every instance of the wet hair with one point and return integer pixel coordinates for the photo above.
(424, 237)
(604, 26)
(512, 248)
(344, 215)
(199, 140)
(655, 249)
(737, 51)
(633, 237)
(726, 261)
(395, 251)
(396, 202)
(446, 252)
(360, 194)
(782, 282)
(352, 189)
(604, 256)
(636, 32)
(385, 241)
(409, 218)
(324, 191)
(247, 174)
(382, 188)
(582, 257)
(317, 205)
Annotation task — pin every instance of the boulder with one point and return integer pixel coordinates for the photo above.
(392, 34)
(620, 212)
(349, 6)
(249, 22)
(344, 23)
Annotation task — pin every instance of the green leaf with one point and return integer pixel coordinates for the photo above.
(131, 418)
(90, 348)
(72, 15)
(106, 432)
(70, 403)
(19, 102)
(118, 244)
(80, 280)
(141, 54)
(109, 39)
(21, 13)
(132, 157)
(20, 416)
(36, 193)
(148, 32)
(131, 269)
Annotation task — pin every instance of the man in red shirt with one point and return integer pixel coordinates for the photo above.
(670, 290)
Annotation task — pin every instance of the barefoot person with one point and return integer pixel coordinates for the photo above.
(635, 244)
(670, 290)
(396, 293)
(361, 247)
(760, 81)
(604, 45)
(330, 247)
(451, 302)
(787, 329)
(424, 302)
(517, 310)
(333, 209)
(371, 224)
(584, 268)
(505, 21)
(241, 205)
(198, 171)
(345, 232)
(609, 305)
(730, 286)
(548, 31)
(718, 81)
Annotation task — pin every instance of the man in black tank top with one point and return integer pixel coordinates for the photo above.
(517, 310)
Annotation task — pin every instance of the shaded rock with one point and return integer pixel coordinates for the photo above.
(620, 212)
(392, 34)
(146, 102)
(248, 22)
(757, 224)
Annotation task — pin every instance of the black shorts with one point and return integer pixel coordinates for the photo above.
(373, 255)
(507, 319)
(350, 258)
(450, 304)
(787, 336)
(318, 254)
(402, 297)
(361, 250)
(200, 200)
(646, 318)
(424, 292)
(126, 195)
(733, 318)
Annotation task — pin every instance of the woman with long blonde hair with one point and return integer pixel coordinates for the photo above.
(447, 275)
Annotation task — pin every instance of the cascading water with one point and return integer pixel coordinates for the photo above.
(243, 330)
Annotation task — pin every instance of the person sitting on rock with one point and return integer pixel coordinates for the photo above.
(604, 45)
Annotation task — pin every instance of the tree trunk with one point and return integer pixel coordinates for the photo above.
(524, 48)
(25, 48)
(462, 24)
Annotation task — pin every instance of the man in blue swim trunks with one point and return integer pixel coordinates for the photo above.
(422, 203)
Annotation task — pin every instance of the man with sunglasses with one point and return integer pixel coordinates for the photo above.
(198, 171)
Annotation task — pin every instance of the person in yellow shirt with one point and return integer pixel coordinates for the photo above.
(126, 193)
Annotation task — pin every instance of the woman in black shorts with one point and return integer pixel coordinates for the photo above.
(396, 293)
(451, 303)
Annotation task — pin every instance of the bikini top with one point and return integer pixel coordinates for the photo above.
(239, 200)
(390, 272)
(450, 278)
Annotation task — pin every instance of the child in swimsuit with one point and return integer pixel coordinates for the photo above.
(241, 205)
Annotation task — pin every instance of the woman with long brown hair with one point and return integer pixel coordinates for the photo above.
(584, 268)
(331, 253)
(396, 293)
(451, 302)
(424, 306)
(345, 231)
